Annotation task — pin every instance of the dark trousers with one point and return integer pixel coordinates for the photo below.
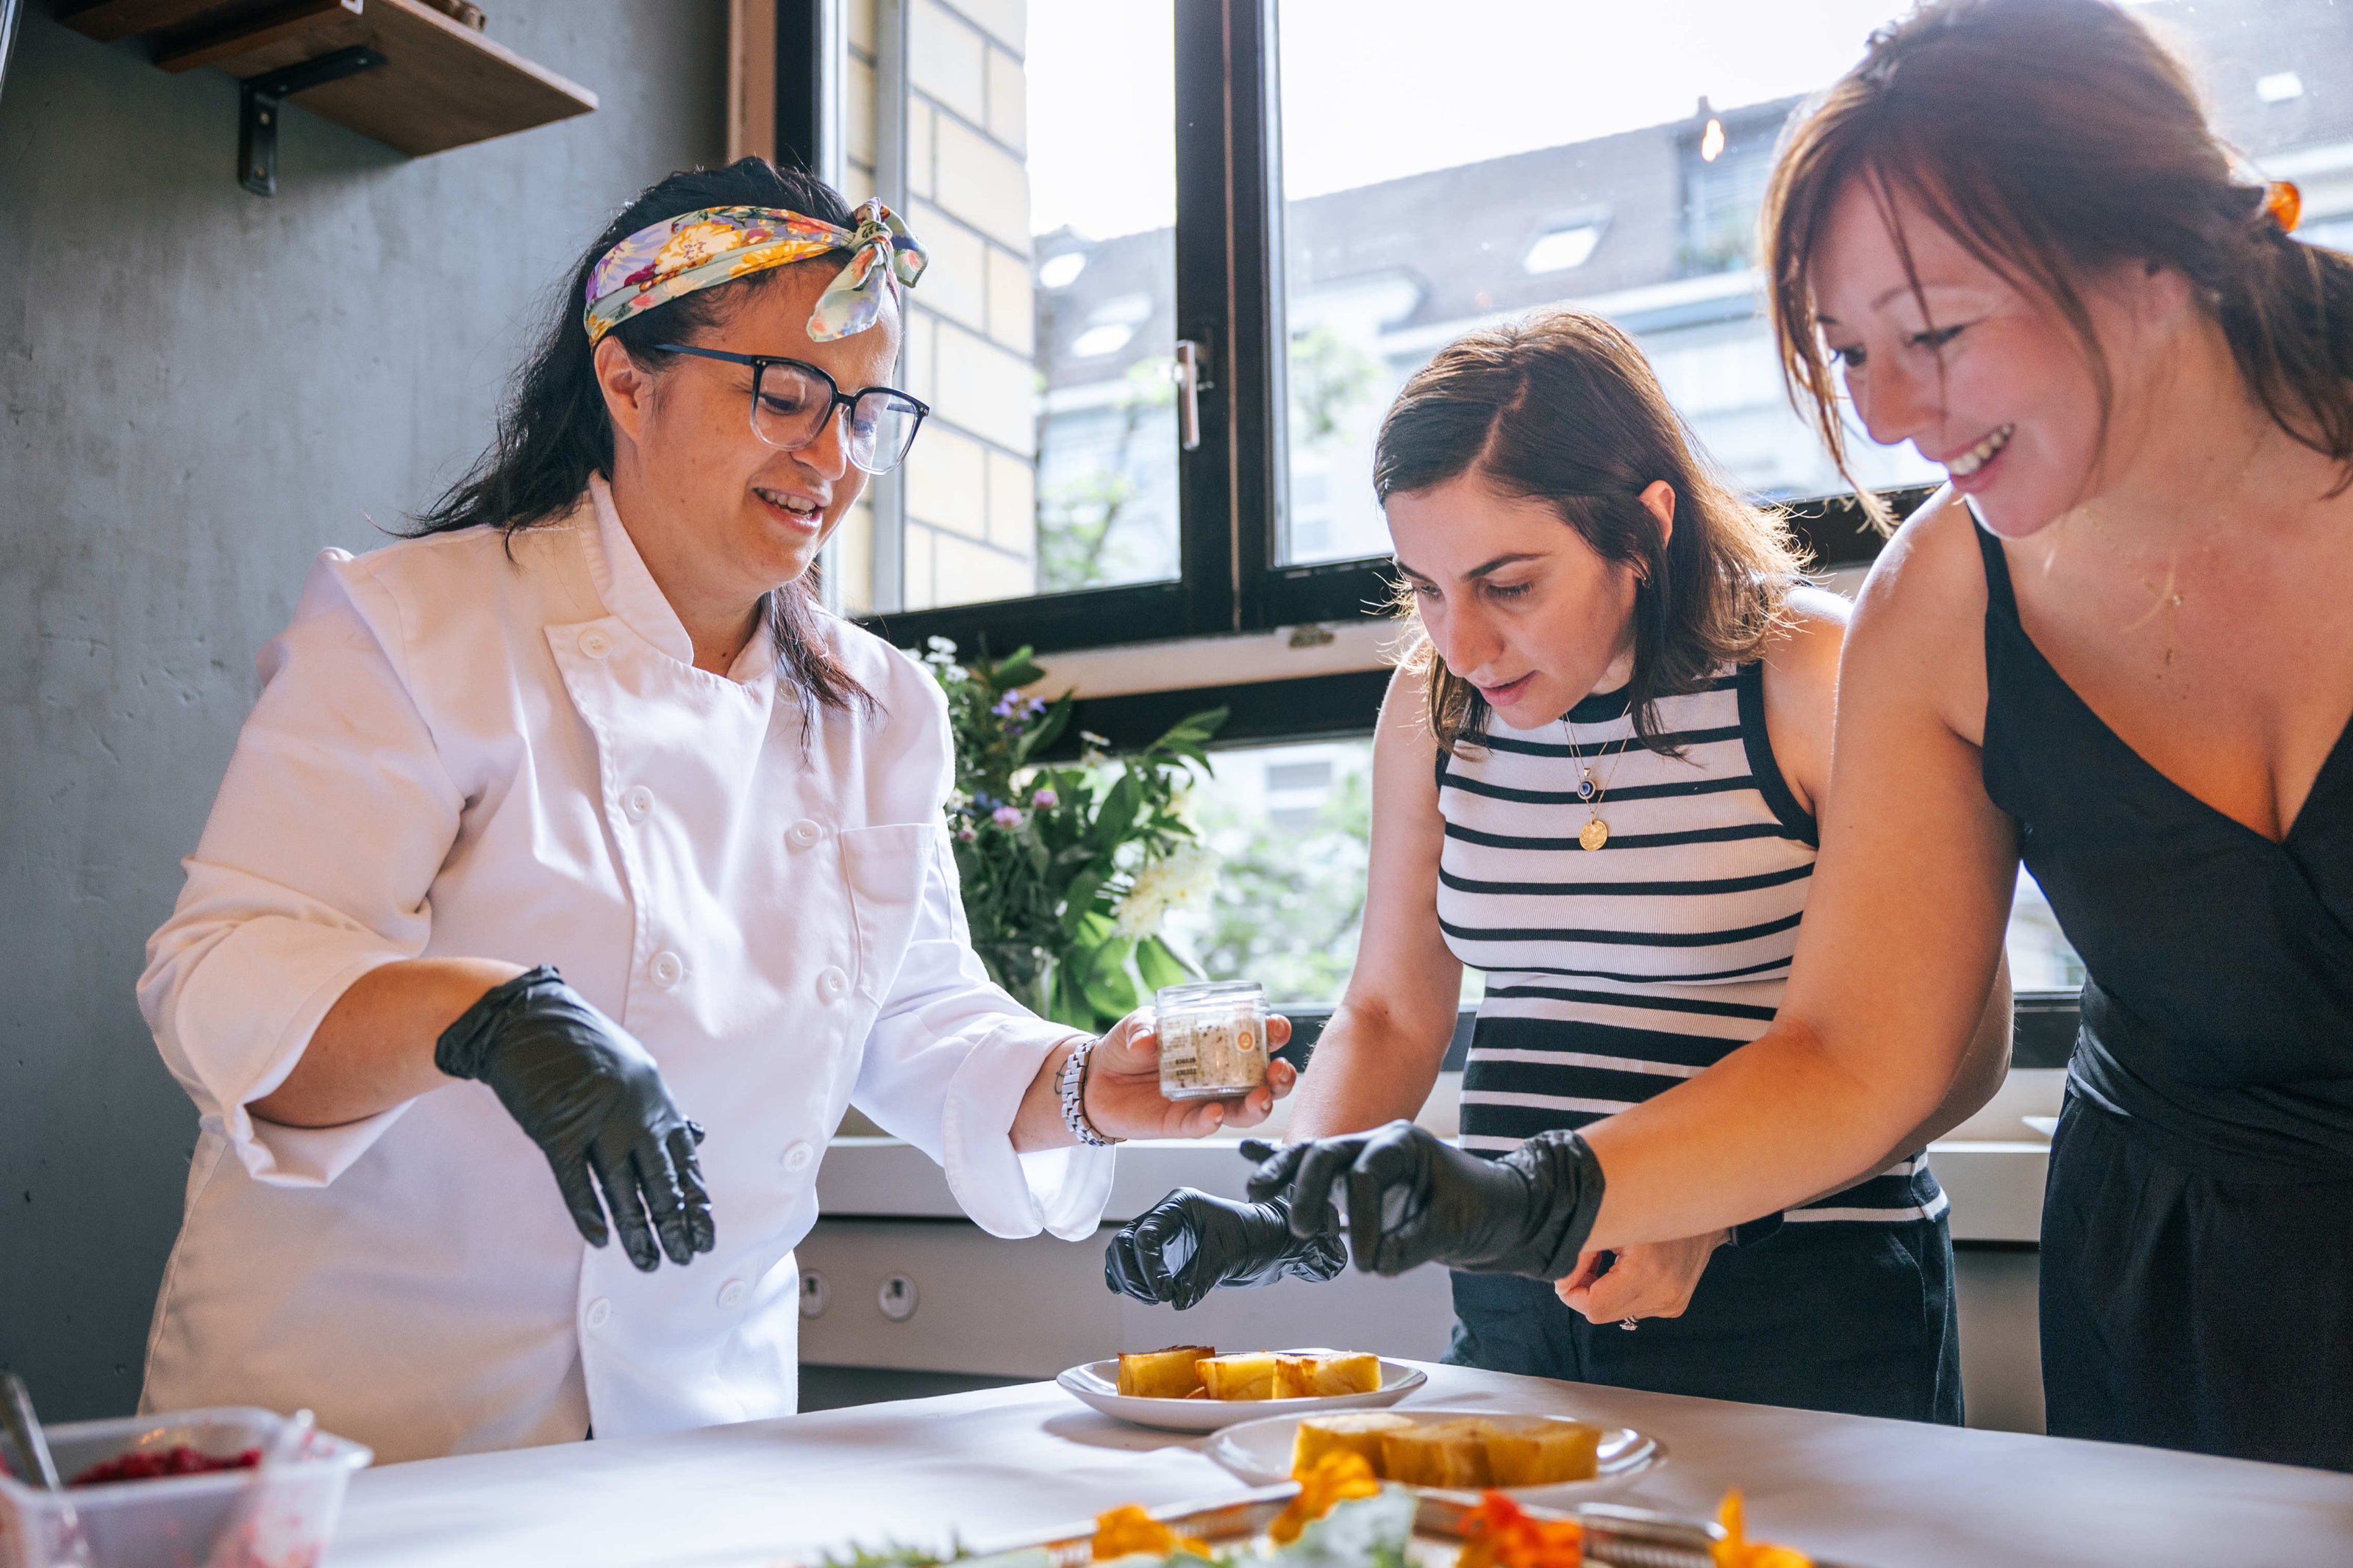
(1835, 1316)
(2185, 1309)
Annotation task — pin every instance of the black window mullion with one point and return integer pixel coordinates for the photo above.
(1208, 487)
(1257, 361)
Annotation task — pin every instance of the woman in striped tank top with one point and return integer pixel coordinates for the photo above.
(1595, 780)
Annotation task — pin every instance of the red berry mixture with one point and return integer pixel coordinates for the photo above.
(147, 1464)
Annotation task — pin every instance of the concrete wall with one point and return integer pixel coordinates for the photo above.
(199, 389)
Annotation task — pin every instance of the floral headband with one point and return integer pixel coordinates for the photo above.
(718, 245)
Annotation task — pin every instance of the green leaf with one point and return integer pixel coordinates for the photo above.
(1016, 670)
(1080, 895)
(1158, 965)
(1043, 733)
(1118, 813)
(1106, 979)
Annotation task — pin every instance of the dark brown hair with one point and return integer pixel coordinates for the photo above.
(2054, 140)
(553, 431)
(1560, 406)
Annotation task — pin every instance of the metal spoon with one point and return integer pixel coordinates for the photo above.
(33, 1448)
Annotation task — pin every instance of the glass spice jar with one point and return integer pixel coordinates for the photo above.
(1212, 1038)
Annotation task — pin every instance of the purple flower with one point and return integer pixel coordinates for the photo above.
(1045, 800)
(1006, 816)
(1007, 705)
(965, 835)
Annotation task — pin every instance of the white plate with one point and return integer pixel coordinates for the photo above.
(1097, 1384)
(1260, 1452)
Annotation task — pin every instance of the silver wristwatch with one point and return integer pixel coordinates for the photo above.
(1074, 1108)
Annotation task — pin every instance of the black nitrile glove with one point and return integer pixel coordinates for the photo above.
(1189, 1244)
(591, 1099)
(1413, 1199)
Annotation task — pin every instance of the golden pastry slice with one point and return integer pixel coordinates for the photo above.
(1161, 1374)
(1442, 1454)
(1356, 1432)
(1320, 1374)
(1249, 1376)
(1541, 1451)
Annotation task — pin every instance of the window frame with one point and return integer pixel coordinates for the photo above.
(1231, 488)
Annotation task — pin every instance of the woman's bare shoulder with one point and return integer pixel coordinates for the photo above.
(1930, 574)
(1920, 618)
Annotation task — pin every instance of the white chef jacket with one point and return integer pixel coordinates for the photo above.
(459, 754)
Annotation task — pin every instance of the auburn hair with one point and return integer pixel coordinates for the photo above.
(2054, 140)
(1560, 406)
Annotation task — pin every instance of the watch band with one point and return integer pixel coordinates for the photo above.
(1074, 1107)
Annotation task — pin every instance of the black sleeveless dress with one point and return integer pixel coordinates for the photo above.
(2198, 1227)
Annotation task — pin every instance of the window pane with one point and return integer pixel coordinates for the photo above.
(1632, 192)
(1405, 230)
(1291, 827)
(1044, 187)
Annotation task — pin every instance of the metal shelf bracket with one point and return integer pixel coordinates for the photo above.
(261, 99)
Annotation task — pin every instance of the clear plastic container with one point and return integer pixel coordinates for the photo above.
(1212, 1038)
(172, 1521)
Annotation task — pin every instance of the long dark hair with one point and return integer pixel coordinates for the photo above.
(1560, 406)
(553, 431)
(2053, 139)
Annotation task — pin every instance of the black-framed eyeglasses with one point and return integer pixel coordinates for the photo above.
(792, 400)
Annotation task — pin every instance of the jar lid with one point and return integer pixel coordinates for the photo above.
(1200, 993)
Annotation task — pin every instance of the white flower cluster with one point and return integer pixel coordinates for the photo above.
(1181, 880)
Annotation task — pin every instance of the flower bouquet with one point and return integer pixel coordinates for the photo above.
(1067, 869)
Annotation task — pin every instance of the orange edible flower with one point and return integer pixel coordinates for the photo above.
(1501, 1536)
(1336, 1478)
(1737, 1551)
(1127, 1530)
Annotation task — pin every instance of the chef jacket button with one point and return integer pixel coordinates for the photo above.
(669, 968)
(803, 833)
(733, 1294)
(798, 1156)
(832, 984)
(638, 803)
(595, 644)
(600, 1312)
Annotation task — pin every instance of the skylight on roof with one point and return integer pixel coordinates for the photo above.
(1111, 325)
(1061, 271)
(2279, 87)
(1557, 250)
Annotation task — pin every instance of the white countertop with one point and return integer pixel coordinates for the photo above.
(1010, 1462)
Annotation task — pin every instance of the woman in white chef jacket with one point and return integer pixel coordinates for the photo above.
(571, 819)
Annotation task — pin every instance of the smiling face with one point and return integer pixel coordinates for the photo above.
(721, 516)
(1512, 598)
(1980, 376)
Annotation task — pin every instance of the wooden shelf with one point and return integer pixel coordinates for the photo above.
(442, 85)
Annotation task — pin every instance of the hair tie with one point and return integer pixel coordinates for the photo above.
(2284, 205)
(702, 250)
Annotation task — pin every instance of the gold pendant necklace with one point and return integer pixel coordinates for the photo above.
(1595, 832)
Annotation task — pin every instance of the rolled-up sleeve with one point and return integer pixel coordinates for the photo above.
(313, 868)
(947, 1065)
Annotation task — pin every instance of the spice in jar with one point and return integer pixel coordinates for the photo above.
(1212, 1038)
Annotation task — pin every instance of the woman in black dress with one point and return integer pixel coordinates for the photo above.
(2116, 646)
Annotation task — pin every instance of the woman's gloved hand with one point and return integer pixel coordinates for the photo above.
(1189, 1244)
(592, 1100)
(1411, 1199)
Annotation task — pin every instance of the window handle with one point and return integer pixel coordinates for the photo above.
(1192, 364)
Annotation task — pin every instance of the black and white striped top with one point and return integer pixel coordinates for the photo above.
(1613, 973)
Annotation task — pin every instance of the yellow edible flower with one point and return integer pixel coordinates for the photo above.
(1127, 1530)
(1336, 1478)
(1737, 1551)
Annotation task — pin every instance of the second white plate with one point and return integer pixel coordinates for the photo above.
(1096, 1382)
(1260, 1452)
